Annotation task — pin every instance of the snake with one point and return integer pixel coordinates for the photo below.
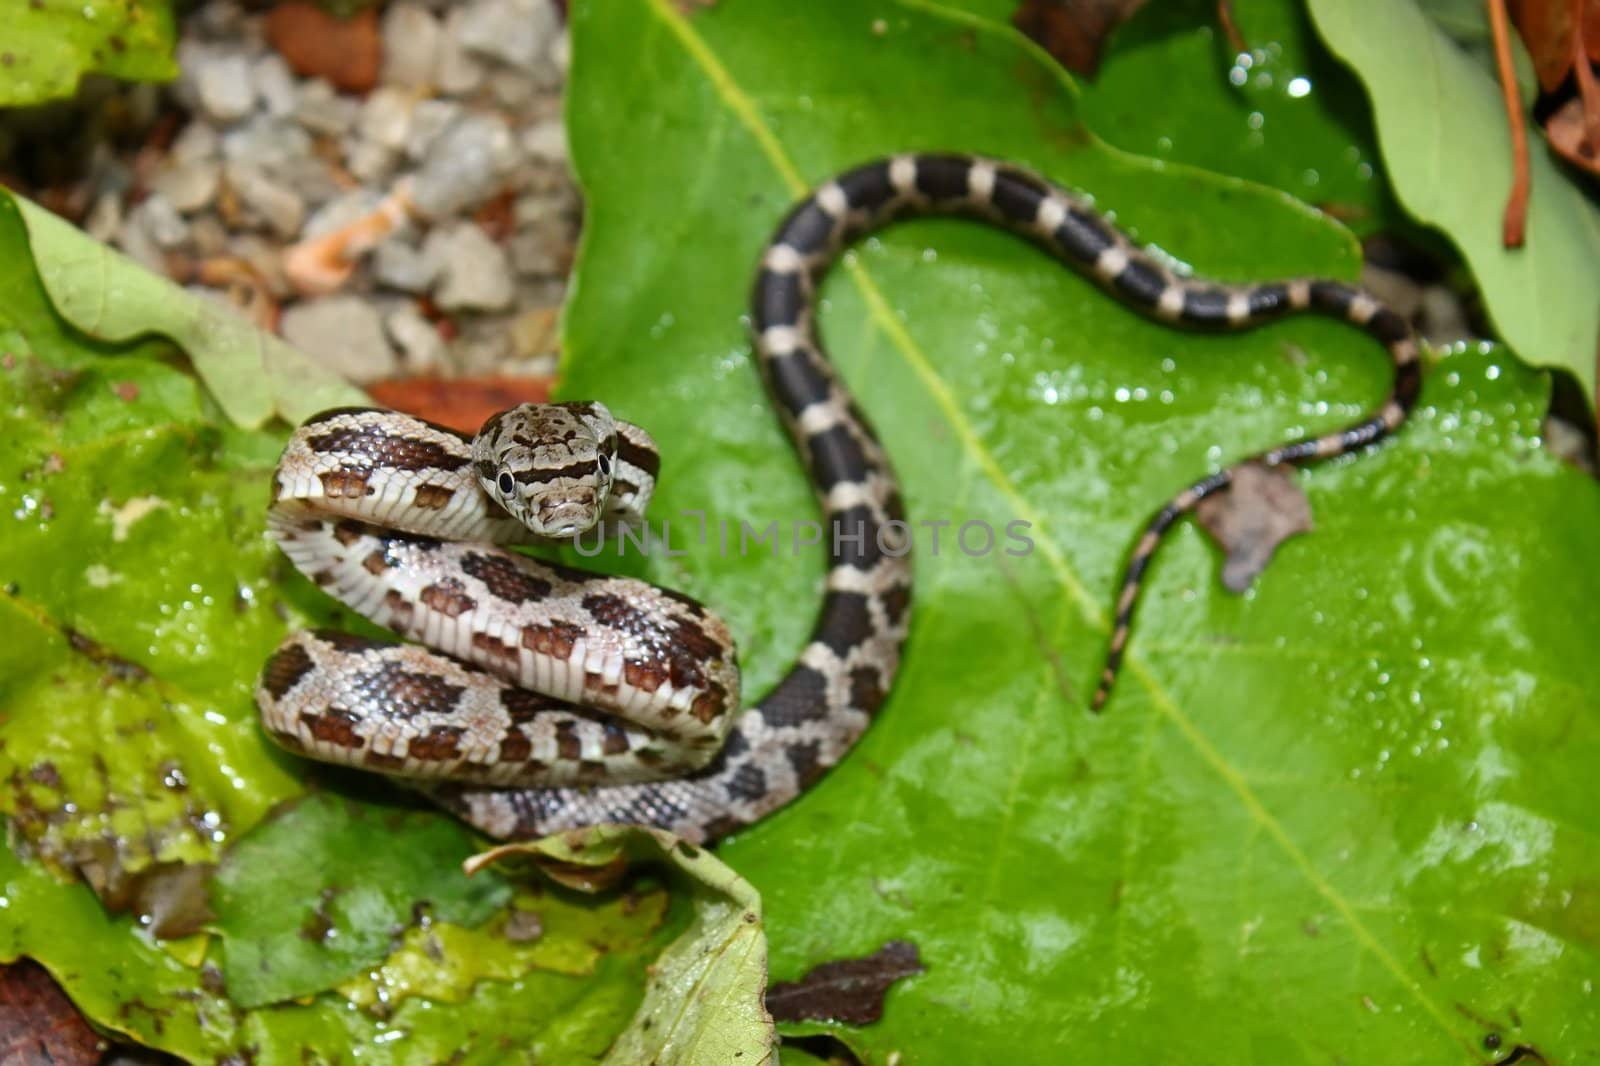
(548, 698)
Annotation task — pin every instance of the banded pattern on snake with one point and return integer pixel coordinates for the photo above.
(381, 509)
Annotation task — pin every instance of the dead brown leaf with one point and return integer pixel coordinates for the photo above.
(847, 990)
(39, 1024)
(1546, 28)
(1261, 509)
(1073, 31)
(460, 403)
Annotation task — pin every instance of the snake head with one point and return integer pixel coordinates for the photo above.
(549, 465)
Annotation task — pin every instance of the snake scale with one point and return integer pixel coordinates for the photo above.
(570, 699)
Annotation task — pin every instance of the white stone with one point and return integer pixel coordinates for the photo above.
(457, 72)
(386, 118)
(417, 338)
(342, 332)
(194, 142)
(429, 118)
(189, 186)
(321, 110)
(475, 275)
(515, 32)
(274, 85)
(546, 140)
(222, 83)
(274, 203)
(401, 265)
(410, 46)
(156, 215)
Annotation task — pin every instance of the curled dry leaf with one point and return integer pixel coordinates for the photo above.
(846, 990)
(38, 1023)
(1263, 508)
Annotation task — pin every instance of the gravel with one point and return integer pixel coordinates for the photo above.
(343, 332)
(473, 272)
(441, 200)
(411, 37)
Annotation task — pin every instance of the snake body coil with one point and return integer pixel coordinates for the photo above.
(594, 699)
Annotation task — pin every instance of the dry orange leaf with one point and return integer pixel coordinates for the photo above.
(1546, 28)
(460, 403)
(347, 52)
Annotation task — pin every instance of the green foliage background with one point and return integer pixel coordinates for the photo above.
(1344, 815)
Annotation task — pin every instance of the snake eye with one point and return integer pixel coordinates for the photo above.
(507, 483)
(605, 464)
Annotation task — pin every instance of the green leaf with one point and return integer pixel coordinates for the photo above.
(307, 900)
(704, 999)
(1285, 113)
(253, 376)
(1447, 150)
(49, 44)
(143, 990)
(1345, 816)
(139, 597)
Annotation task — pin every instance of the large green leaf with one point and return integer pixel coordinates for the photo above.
(703, 1002)
(1345, 816)
(1447, 150)
(140, 596)
(49, 44)
(1284, 112)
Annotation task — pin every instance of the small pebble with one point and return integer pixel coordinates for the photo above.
(340, 212)
(458, 72)
(274, 85)
(189, 186)
(371, 163)
(265, 143)
(429, 118)
(321, 110)
(465, 165)
(386, 118)
(273, 203)
(515, 32)
(222, 83)
(546, 141)
(410, 45)
(208, 236)
(539, 251)
(474, 274)
(343, 332)
(157, 217)
(401, 265)
(417, 338)
(197, 141)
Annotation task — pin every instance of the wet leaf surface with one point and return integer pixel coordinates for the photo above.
(1283, 111)
(326, 888)
(49, 44)
(140, 597)
(1316, 820)
(703, 1001)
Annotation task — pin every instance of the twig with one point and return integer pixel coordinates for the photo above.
(1515, 224)
(1230, 29)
